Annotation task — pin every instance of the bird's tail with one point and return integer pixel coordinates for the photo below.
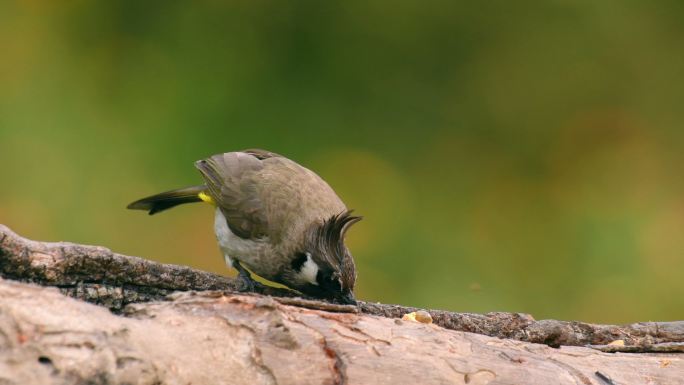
(162, 201)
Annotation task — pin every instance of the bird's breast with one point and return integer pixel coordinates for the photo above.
(258, 255)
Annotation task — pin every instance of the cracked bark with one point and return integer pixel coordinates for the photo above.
(217, 336)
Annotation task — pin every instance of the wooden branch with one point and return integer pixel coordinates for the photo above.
(97, 275)
(211, 338)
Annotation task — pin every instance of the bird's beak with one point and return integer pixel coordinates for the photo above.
(348, 298)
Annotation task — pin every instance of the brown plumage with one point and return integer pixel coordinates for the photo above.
(279, 219)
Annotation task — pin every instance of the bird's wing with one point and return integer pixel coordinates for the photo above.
(264, 194)
(261, 154)
(229, 179)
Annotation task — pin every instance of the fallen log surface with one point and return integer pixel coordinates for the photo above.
(214, 337)
(97, 275)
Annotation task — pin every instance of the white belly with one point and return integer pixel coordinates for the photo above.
(248, 252)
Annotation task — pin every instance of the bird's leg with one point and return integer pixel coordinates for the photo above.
(246, 282)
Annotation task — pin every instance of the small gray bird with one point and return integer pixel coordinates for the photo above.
(275, 217)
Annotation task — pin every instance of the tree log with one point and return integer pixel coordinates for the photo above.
(217, 338)
(207, 333)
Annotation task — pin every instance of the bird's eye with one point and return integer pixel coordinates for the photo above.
(335, 283)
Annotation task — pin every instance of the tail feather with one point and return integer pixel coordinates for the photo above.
(166, 200)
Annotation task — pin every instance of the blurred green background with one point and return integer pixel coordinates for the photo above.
(507, 156)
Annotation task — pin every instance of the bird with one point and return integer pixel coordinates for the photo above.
(274, 217)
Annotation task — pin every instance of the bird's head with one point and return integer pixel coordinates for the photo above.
(324, 268)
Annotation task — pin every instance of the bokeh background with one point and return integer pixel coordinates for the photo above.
(507, 156)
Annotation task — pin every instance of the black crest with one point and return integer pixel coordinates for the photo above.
(333, 230)
(330, 237)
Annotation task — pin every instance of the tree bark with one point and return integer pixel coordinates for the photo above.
(207, 333)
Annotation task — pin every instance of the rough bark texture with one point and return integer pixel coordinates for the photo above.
(217, 336)
(212, 338)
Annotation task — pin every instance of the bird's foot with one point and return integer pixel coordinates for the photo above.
(245, 281)
(249, 285)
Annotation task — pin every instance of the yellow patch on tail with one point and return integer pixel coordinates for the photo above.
(206, 198)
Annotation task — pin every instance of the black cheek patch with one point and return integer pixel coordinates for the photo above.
(298, 261)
